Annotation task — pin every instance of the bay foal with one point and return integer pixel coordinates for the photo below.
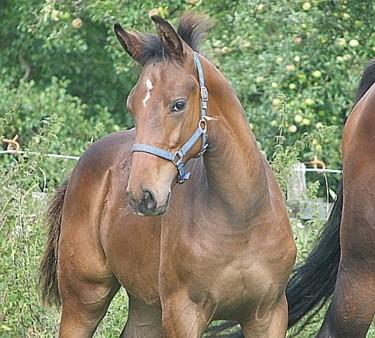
(217, 247)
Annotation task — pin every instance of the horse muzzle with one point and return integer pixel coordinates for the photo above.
(146, 205)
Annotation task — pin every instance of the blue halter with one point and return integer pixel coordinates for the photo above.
(177, 157)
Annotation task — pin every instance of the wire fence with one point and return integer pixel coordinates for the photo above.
(76, 158)
(35, 153)
(296, 186)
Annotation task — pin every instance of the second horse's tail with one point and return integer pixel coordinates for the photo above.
(313, 282)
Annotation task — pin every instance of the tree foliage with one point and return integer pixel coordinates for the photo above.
(309, 53)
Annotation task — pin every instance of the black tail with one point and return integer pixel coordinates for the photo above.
(48, 266)
(313, 282)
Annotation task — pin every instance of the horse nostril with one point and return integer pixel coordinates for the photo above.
(149, 200)
(146, 205)
(131, 200)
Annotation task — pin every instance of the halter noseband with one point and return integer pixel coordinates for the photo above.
(177, 157)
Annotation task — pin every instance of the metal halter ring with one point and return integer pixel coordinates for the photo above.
(203, 122)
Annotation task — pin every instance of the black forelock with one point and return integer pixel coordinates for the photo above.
(192, 28)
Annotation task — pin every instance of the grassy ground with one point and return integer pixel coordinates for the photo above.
(22, 239)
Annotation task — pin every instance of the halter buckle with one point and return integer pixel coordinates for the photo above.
(183, 176)
(203, 150)
(204, 93)
(177, 158)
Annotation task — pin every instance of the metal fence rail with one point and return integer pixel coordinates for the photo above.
(59, 156)
(76, 158)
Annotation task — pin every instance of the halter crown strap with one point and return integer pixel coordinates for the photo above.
(177, 157)
(203, 89)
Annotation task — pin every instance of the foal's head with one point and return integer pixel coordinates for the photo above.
(165, 104)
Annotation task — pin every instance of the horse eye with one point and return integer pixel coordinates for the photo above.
(178, 106)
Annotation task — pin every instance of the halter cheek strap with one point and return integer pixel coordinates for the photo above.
(177, 157)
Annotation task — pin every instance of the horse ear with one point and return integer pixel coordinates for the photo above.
(131, 42)
(169, 37)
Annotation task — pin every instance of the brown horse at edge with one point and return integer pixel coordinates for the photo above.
(217, 247)
(342, 262)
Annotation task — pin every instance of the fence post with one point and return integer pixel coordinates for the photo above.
(296, 188)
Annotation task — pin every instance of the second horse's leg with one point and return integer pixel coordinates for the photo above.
(353, 304)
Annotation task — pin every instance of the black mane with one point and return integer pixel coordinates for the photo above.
(192, 28)
(367, 80)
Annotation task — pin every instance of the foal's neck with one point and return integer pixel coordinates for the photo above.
(236, 170)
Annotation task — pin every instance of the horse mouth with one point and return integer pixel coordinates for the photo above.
(156, 212)
(142, 210)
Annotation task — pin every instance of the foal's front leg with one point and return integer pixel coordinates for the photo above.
(184, 318)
